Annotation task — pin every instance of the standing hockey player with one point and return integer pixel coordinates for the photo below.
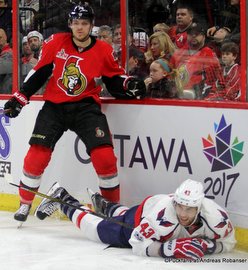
(71, 62)
(183, 225)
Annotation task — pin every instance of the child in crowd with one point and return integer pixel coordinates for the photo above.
(231, 70)
(160, 83)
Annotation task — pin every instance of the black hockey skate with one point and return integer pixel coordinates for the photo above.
(100, 204)
(22, 213)
(47, 207)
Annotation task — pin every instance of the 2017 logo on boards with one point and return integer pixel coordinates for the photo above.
(221, 152)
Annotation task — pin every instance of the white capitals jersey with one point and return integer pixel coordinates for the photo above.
(158, 222)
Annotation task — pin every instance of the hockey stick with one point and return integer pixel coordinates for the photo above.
(109, 219)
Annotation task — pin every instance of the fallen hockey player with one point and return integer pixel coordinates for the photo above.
(183, 225)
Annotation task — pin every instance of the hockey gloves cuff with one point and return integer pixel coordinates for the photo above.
(14, 105)
(135, 88)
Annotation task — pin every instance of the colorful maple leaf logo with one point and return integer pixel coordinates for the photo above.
(221, 153)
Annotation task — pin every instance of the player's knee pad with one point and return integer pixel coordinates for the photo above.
(104, 161)
(37, 159)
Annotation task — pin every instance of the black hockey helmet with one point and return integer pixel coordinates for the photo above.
(82, 11)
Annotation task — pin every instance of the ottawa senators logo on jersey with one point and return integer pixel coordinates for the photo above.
(182, 77)
(73, 82)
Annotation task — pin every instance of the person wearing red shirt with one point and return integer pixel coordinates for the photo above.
(231, 70)
(198, 68)
(178, 32)
(6, 59)
(70, 63)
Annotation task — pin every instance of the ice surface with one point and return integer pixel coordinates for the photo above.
(53, 244)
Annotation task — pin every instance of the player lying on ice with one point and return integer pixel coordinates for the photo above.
(181, 225)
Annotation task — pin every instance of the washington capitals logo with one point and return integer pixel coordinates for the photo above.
(221, 153)
(224, 220)
(163, 221)
(72, 81)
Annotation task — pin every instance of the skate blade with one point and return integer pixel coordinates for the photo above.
(19, 224)
(90, 193)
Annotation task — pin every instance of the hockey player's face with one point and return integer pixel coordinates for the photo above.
(80, 28)
(185, 214)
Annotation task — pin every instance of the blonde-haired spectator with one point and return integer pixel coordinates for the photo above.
(161, 27)
(159, 46)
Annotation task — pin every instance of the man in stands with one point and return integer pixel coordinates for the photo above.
(184, 19)
(35, 41)
(69, 63)
(28, 60)
(184, 225)
(6, 59)
(198, 68)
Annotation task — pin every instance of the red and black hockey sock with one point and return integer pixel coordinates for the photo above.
(35, 162)
(111, 194)
(104, 162)
(26, 197)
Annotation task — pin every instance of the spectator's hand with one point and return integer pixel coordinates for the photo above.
(134, 87)
(148, 81)
(14, 106)
(184, 248)
(211, 31)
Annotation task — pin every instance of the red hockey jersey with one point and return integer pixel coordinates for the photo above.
(178, 38)
(200, 71)
(74, 73)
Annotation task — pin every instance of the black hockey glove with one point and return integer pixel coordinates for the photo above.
(14, 105)
(134, 87)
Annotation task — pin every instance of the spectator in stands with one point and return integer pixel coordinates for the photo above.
(230, 19)
(105, 34)
(161, 27)
(117, 40)
(160, 83)
(159, 46)
(28, 60)
(6, 59)
(198, 69)
(136, 63)
(35, 41)
(217, 39)
(231, 70)
(178, 32)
